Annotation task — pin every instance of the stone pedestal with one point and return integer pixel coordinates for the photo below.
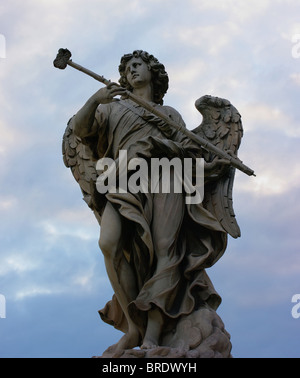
(199, 335)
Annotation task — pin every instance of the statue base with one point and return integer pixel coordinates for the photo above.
(198, 335)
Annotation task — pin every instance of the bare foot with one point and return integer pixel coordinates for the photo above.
(153, 331)
(149, 343)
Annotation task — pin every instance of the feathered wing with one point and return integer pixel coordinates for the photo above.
(221, 126)
(78, 157)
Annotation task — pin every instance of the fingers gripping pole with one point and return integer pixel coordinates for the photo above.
(63, 59)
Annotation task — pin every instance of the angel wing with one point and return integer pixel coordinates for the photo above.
(222, 126)
(78, 157)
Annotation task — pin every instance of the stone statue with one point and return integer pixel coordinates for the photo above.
(157, 246)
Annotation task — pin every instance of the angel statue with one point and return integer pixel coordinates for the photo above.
(156, 246)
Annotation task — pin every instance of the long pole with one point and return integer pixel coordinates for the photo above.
(63, 59)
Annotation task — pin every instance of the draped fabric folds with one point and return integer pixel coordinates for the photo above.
(193, 238)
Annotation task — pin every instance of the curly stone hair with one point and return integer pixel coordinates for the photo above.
(160, 79)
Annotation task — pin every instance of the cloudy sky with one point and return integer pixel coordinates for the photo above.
(51, 269)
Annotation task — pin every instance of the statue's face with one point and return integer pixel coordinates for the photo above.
(137, 73)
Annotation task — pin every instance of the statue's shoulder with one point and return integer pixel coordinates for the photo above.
(167, 109)
(171, 112)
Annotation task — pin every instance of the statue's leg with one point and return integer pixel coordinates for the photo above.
(168, 211)
(119, 271)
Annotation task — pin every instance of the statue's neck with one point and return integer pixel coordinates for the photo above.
(144, 92)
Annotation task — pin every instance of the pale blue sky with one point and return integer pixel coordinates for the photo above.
(51, 269)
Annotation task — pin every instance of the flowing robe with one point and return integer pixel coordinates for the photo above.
(195, 243)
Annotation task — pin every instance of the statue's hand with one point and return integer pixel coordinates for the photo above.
(216, 167)
(107, 94)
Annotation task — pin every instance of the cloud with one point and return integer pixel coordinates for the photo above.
(77, 223)
(8, 204)
(33, 292)
(274, 159)
(16, 263)
(212, 38)
(296, 78)
(271, 118)
(238, 9)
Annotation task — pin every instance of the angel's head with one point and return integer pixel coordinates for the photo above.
(159, 77)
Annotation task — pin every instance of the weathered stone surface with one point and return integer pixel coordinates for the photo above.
(200, 335)
(157, 246)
